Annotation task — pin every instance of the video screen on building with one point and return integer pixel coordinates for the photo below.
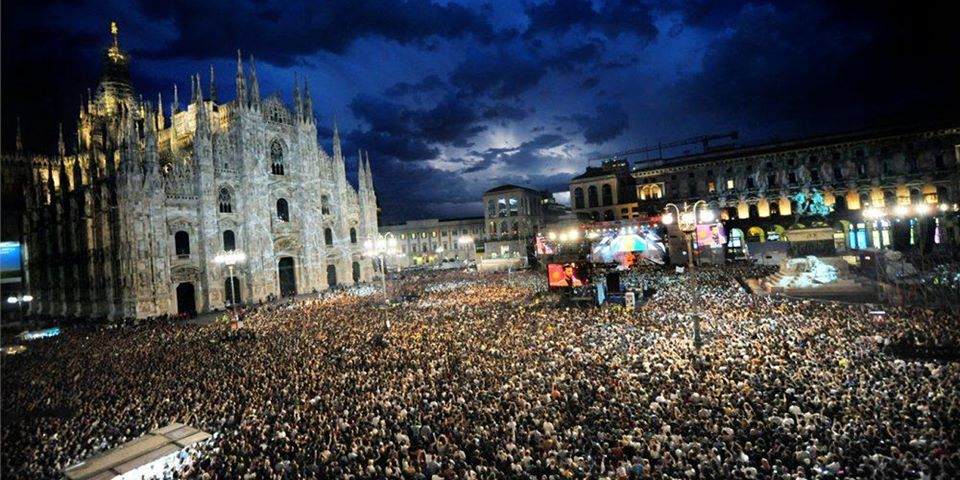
(711, 235)
(565, 275)
(10, 255)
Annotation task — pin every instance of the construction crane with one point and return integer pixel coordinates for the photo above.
(703, 140)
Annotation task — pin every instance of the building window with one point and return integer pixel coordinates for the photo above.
(792, 178)
(592, 199)
(751, 184)
(837, 173)
(353, 235)
(491, 208)
(607, 195)
(325, 204)
(815, 175)
(181, 242)
(513, 206)
(283, 210)
(276, 158)
(229, 241)
(225, 200)
(327, 236)
(729, 184)
(578, 198)
(502, 207)
(711, 186)
(608, 215)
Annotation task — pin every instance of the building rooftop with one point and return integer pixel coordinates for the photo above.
(506, 187)
(778, 146)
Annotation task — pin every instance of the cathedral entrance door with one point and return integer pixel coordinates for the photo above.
(186, 299)
(288, 278)
(331, 276)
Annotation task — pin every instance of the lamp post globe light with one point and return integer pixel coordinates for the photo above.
(20, 300)
(687, 220)
(230, 259)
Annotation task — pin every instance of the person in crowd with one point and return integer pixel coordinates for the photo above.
(485, 376)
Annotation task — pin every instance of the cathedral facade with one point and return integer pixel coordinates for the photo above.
(137, 220)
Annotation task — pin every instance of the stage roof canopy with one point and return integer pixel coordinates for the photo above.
(155, 445)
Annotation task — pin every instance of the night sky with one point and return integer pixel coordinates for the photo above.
(452, 98)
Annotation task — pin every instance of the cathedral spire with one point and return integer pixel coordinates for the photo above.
(241, 82)
(307, 103)
(193, 89)
(213, 86)
(198, 90)
(175, 106)
(369, 173)
(297, 98)
(61, 147)
(203, 122)
(361, 172)
(161, 121)
(337, 153)
(254, 85)
(115, 31)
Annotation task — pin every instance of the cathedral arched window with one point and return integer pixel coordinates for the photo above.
(353, 235)
(276, 158)
(283, 210)
(325, 204)
(578, 198)
(181, 242)
(592, 199)
(225, 200)
(327, 236)
(229, 241)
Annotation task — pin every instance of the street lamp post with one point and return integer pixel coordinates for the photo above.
(378, 246)
(20, 300)
(687, 221)
(231, 259)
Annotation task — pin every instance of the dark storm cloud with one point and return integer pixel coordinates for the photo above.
(429, 83)
(406, 133)
(526, 154)
(505, 111)
(824, 67)
(281, 30)
(569, 59)
(503, 74)
(425, 83)
(609, 122)
(613, 18)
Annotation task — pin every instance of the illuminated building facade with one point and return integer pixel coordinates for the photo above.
(431, 241)
(605, 193)
(895, 188)
(129, 224)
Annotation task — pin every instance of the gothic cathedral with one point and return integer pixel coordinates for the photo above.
(138, 220)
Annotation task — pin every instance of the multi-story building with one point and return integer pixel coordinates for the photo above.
(605, 193)
(426, 242)
(517, 212)
(130, 223)
(512, 217)
(895, 187)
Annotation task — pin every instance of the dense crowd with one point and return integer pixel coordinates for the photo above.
(486, 377)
